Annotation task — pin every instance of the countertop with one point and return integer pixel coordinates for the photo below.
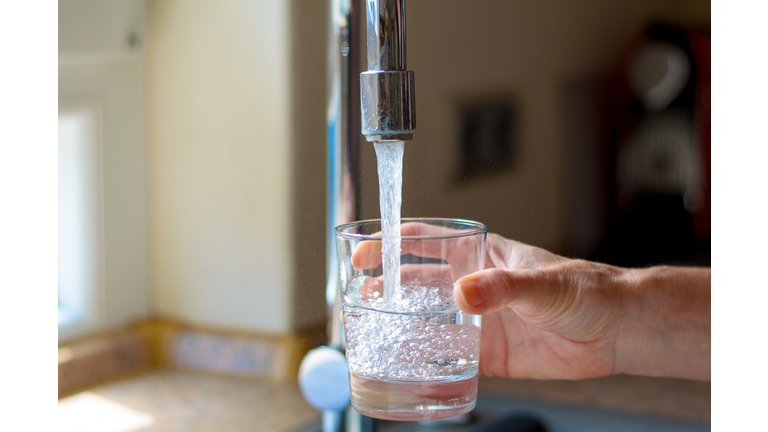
(174, 400)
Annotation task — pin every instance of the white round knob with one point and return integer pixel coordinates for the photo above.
(324, 379)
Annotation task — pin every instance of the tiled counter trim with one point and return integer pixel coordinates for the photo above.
(164, 343)
(94, 361)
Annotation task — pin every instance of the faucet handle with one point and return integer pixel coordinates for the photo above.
(324, 379)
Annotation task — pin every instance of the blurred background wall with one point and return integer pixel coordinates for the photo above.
(530, 53)
(237, 148)
(217, 211)
(218, 85)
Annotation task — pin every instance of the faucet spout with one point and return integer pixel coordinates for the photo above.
(388, 105)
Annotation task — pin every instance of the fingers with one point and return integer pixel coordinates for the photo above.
(432, 248)
(422, 229)
(367, 254)
(527, 291)
(410, 274)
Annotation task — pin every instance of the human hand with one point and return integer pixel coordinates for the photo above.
(546, 316)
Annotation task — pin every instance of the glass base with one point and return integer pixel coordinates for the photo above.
(413, 400)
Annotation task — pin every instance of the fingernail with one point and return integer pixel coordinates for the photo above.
(472, 293)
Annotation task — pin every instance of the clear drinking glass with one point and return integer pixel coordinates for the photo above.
(414, 355)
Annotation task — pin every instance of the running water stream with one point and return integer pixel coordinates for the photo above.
(390, 165)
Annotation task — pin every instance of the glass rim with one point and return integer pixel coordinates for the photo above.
(476, 228)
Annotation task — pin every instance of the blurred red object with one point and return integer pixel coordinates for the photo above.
(701, 46)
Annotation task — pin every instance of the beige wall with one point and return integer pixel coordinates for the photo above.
(529, 49)
(219, 166)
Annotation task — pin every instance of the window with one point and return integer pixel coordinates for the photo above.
(102, 200)
(79, 217)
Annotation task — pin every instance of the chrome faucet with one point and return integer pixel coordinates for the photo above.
(387, 113)
(387, 88)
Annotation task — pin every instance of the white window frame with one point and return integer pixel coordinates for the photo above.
(81, 278)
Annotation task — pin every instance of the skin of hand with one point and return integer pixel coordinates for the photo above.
(550, 317)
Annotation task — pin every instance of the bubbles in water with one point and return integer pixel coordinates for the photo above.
(420, 335)
(363, 290)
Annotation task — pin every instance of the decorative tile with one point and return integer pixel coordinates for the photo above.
(218, 353)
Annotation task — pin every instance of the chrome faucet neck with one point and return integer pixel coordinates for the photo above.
(387, 89)
(386, 35)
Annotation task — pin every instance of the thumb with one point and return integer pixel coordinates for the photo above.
(528, 291)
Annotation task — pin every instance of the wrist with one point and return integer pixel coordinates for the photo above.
(665, 329)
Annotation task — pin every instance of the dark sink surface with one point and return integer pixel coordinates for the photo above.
(504, 415)
(615, 403)
(494, 414)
